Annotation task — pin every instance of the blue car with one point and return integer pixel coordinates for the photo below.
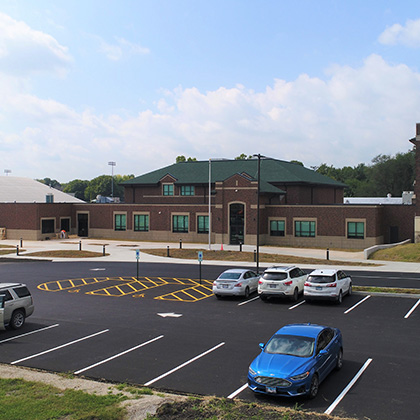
(296, 359)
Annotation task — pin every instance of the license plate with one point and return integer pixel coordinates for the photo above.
(270, 389)
(318, 287)
(225, 286)
(273, 286)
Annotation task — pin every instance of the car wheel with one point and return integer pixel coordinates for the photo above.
(17, 320)
(340, 298)
(339, 364)
(350, 290)
(313, 390)
(247, 292)
(295, 295)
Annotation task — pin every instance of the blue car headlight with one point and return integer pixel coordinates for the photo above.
(252, 372)
(300, 377)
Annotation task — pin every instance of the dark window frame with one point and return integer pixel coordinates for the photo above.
(277, 231)
(203, 229)
(120, 222)
(141, 226)
(178, 227)
(354, 233)
(301, 232)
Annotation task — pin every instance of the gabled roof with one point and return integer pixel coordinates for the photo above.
(273, 171)
(25, 190)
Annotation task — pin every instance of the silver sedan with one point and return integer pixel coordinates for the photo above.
(235, 282)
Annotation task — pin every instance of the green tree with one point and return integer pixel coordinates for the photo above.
(76, 187)
(51, 183)
(182, 158)
(243, 156)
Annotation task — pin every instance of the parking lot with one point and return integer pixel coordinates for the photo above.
(164, 329)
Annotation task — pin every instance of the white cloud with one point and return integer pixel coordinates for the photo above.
(24, 50)
(408, 35)
(120, 48)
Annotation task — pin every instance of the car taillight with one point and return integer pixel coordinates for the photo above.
(332, 285)
(238, 285)
(214, 283)
(307, 284)
(260, 282)
(288, 283)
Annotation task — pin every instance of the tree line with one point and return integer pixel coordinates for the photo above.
(385, 175)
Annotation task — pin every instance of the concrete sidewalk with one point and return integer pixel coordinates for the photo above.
(125, 251)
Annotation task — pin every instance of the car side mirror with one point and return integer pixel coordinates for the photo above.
(262, 345)
(323, 351)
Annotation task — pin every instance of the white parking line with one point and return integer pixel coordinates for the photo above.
(247, 301)
(298, 304)
(59, 347)
(118, 355)
(412, 309)
(29, 333)
(238, 391)
(184, 364)
(357, 304)
(330, 409)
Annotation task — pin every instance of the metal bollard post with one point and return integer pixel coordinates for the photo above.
(180, 244)
(80, 245)
(328, 254)
(240, 246)
(103, 250)
(17, 249)
(21, 242)
(255, 255)
(167, 251)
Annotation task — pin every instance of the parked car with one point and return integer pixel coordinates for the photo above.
(235, 282)
(296, 359)
(281, 282)
(18, 304)
(328, 285)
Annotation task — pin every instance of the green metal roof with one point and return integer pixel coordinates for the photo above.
(272, 171)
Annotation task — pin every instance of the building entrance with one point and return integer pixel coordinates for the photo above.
(83, 224)
(237, 221)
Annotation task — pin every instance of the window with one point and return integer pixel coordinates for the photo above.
(277, 227)
(305, 229)
(355, 230)
(168, 189)
(202, 224)
(187, 190)
(48, 226)
(180, 224)
(141, 222)
(120, 222)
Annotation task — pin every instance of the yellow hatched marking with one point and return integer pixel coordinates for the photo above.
(185, 295)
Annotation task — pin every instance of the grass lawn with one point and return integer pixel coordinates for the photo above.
(192, 254)
(24, 400)
(402, 253)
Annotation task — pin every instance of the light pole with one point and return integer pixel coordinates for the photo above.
(209, 204)
(112, 164)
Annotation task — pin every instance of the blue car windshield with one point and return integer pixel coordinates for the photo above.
(291, 345)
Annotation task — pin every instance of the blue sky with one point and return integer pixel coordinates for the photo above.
(140, 82)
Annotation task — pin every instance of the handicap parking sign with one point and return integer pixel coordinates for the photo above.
(200, 256)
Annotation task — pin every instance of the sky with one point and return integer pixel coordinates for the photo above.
(140, 82)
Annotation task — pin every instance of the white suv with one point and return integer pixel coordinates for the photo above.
(327, 284)
(281, 282)
(17, 304)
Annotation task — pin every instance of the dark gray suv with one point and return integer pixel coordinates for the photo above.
(17, 304)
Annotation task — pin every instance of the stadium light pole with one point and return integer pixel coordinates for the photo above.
(112, 164)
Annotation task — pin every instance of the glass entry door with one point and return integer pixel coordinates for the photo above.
(237, 222)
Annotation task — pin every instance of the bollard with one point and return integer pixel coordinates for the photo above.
(21, 243)
(80, 245)
(255, 255)
(17, 249)
(103, 250)
(240, 246)
(167, 251)
(328, 254)
(180, 244)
